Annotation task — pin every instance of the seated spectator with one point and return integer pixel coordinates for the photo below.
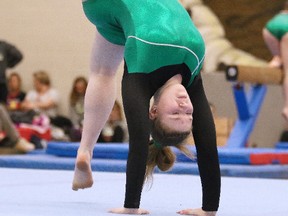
(114, 130)
(43, 99)
(9, 136)
(40, 103)
(77, 106)
(15, 93)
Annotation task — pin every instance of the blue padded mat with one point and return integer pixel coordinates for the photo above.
(281, 145)
(46, 161)
(120, 152)
(69, 149)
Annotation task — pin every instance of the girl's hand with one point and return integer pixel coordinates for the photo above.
(197, 212)
(132, 211)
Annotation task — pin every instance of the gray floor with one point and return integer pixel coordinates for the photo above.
(48, 192)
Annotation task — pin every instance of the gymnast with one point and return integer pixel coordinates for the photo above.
(276, 38)
(163, 54)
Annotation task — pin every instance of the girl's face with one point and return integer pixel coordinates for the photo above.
(173, 108)
(80, 87)
(37, 84)
(14, 83)
(115, 114)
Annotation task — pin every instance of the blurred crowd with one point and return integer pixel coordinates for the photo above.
(29, 119)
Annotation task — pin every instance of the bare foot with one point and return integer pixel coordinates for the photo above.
(83, 173)
(23, 146)
(197, 212)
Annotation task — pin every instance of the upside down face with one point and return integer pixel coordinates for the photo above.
(173, 108)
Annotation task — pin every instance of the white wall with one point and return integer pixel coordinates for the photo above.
(53, 35)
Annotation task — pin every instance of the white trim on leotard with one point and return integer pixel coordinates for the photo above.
(171, 45)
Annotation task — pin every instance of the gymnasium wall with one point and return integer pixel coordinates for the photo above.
(53, 35)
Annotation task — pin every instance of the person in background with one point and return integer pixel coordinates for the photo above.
(43, 98)
(114, 129)
(10, 56)
(43, 102)
(9, 136)
(76, 108)
(275, 35)
(15, 93)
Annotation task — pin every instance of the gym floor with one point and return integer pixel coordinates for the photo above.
(35, 192)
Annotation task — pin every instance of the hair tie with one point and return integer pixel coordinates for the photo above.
(157, 144)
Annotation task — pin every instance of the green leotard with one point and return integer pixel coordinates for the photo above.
(278, 25)
(155, 33)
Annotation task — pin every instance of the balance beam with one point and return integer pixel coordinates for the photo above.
(256, 75)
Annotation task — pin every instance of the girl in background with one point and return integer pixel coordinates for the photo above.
(15, 93)
(114, 129)
(276, 38)
(76, 108)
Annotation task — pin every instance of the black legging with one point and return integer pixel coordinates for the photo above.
(137, 90)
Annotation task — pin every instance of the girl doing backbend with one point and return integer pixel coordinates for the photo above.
(163, 54)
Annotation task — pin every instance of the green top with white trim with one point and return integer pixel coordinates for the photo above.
(155, 33)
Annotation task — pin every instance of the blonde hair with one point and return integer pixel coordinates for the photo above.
(160, 153)
(118, 107)
(74, 95)
(42, 77)
(164, 158)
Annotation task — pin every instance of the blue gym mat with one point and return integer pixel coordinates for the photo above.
(120, 152)
(281, 145)
(112, 158)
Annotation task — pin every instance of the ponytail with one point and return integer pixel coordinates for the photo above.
(160, 153)
(163, 157)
